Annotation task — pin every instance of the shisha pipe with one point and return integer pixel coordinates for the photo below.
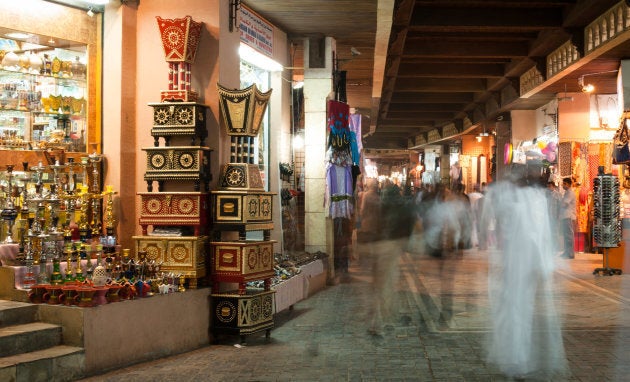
(94, 159)
(109, 209)
(9, 213)
(24, 178)
(39, 170)
(29, 277)
(58, 189)
(42, 240)
(71, 181)
(84, 226)
(96, 222)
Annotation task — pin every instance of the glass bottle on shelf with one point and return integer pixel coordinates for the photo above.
(47, 65)
(41, 90)
(78, 68)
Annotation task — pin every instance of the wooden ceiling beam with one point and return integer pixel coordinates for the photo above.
(487, 18)
(449, 85)
(458, 98)
(507, 35)
(403, 123)
(419, 115)
(444, 70)
(480, 49)
(426, 107)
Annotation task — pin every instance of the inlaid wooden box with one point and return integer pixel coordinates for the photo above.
(177, 163)
(241, 176)
(174, 209)
(178, 254)
(241, 262)
(248, 313)
(242, 207)
(179, 118)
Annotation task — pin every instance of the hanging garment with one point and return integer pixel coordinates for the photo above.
(355, 127)
(339, 191)
(340, 140)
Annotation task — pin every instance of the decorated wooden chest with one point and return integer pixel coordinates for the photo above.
(177, 163)
(242, 261)
(243, 207)
(174, 209)
(179, 118)
(184, 255)
(243, 314)
(241, 176)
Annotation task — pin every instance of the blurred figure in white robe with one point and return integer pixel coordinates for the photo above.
(526, 338)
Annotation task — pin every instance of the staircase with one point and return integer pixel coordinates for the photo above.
(33, 351)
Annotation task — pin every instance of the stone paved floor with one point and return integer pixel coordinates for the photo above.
(326, 338)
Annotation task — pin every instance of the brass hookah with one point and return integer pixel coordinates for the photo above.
(109, 211)
(56, 278)
(9, 212)
(84, 198)
(96, 196)
(23, 221)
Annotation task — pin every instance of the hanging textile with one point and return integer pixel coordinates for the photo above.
(605, 155)
(339, 184)
(483, 169)
(564, 159)
(339, 137)
(339, 174)
(593, 166)
(355, 127)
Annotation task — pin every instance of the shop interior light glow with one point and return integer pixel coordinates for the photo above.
(18, 35)
(253, 57)
(298, 142)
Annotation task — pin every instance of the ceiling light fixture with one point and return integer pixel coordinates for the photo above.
(587, 87)
(482, 134)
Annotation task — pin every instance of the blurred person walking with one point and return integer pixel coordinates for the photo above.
(478, 233)
(396, 220)
(554, 199)
(568, 214)
(526, 339)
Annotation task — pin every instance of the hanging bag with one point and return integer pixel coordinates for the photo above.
(621, 151)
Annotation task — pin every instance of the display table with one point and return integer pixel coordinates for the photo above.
(314, 277)
(174, 323)
(289, 292)
(311, 279)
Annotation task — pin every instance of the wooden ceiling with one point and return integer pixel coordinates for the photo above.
(445, 61)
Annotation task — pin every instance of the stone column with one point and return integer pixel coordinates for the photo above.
(318, 88)
(119, 100)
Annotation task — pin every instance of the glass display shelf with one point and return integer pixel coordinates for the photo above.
(40, 108)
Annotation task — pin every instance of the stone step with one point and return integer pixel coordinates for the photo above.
(16, 339)
(55, 364)
(15, 313)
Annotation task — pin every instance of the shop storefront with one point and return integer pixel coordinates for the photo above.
(120, 145)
